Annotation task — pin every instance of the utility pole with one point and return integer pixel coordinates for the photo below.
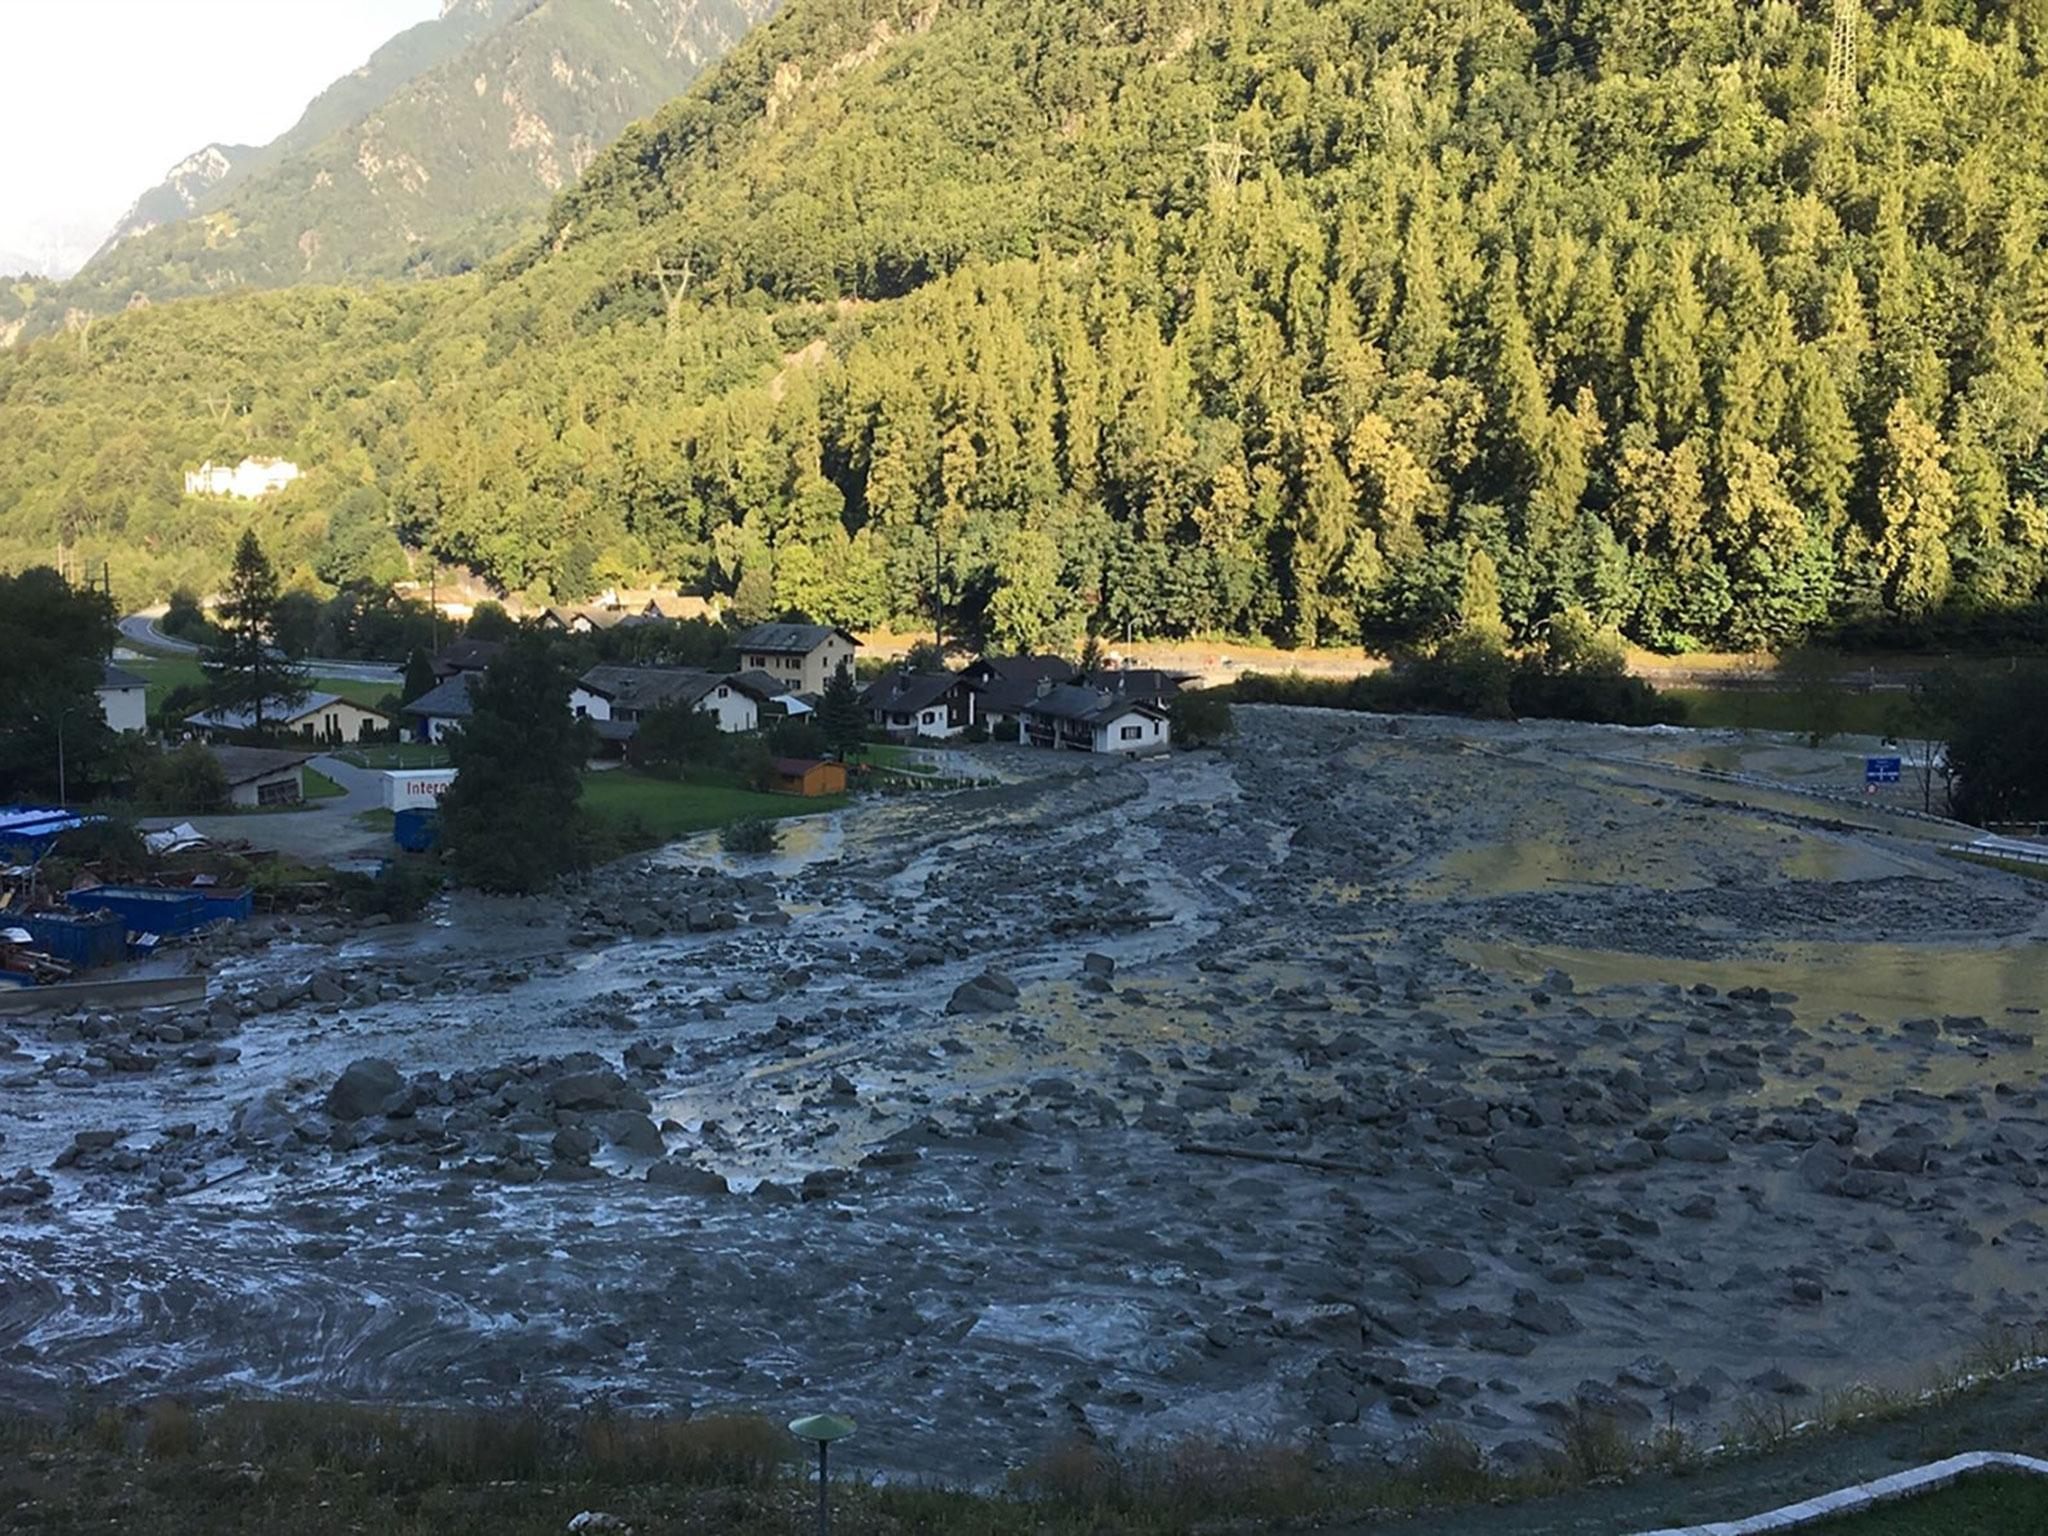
(1841, 96)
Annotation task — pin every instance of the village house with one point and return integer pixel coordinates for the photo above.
(442, 709)
(626, 695)
(578, 621)
(1073, 718)
(1003, 685)
(319, 716)
(466, 656)
(124, 700)
(804, 657)
(1144, 685)
(246, 481)
(259, 776)
(920, 704)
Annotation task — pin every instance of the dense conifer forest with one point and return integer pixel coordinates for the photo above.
(1166, 316)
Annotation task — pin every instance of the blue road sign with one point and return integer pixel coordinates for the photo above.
(1881, 770)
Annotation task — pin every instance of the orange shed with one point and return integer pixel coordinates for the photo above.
(807, 777)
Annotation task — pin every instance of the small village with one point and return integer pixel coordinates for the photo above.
(319, 756)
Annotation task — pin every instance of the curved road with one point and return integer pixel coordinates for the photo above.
(141, 629)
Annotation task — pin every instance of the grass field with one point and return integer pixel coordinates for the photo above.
(321, 787)
(669, 809)
(163, 673)
(403, 754)
(1860, 713)
(2011, 866)
(1994, 1504)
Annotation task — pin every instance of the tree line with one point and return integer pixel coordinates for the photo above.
(1255, 316)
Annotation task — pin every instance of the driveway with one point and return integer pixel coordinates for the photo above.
(325, 832)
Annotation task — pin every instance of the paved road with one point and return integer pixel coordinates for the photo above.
(141, 629)
(325, 832)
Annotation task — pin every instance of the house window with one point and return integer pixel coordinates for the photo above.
(1134, 733)
(725, 693)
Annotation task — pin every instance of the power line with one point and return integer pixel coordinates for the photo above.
(1841, 96)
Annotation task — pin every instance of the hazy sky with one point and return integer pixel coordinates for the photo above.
(101, 97)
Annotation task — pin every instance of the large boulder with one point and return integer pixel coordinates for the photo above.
(1700, 1146)
(369, 1086)
(602, 1089)
(1437, 1266)
(990, 992)
(630, 1130)
(686, 1178)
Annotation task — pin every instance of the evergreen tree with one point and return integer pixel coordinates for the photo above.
(419, 676)
(245, 670)
(840, 717)
(54, 641)
(1916, 503)
(510, 822)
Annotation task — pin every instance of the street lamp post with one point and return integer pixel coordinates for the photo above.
(822, 1429)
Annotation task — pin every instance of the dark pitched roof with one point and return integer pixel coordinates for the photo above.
(275, 713)
(645, 688)
(794, 767)
(905, 693)
(791, 639)
(1139, 682)
(112, 676)
(1021, 669)
(1007, 695)
(243, 765)
(446, 700)
(763, 686)
(467, 656)
(1090, 706)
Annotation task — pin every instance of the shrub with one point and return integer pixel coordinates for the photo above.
(113, 847)
(187, 782)
(1201, 718)
(186, 619)
(752, 836)
(399, 891)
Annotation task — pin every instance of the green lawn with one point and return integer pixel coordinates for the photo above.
(669, 810)
(2010, 866)
(1993, 1504)
(164, 673)
(1861, 713)
(321, 787)
(404, 754)
(888, 755)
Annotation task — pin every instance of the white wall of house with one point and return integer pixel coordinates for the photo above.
(284, 787)
(340, 720)
(126, 709)
(1134, 732)
(734, 710)
(585, 705)
(441, 727)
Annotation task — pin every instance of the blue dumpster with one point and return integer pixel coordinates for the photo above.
(416, 830)
(81, 940)
(144, 908)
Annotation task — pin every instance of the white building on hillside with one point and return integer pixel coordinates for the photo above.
(244, 482)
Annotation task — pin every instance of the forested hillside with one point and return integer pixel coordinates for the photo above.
(1167, 315)
(438, 154)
